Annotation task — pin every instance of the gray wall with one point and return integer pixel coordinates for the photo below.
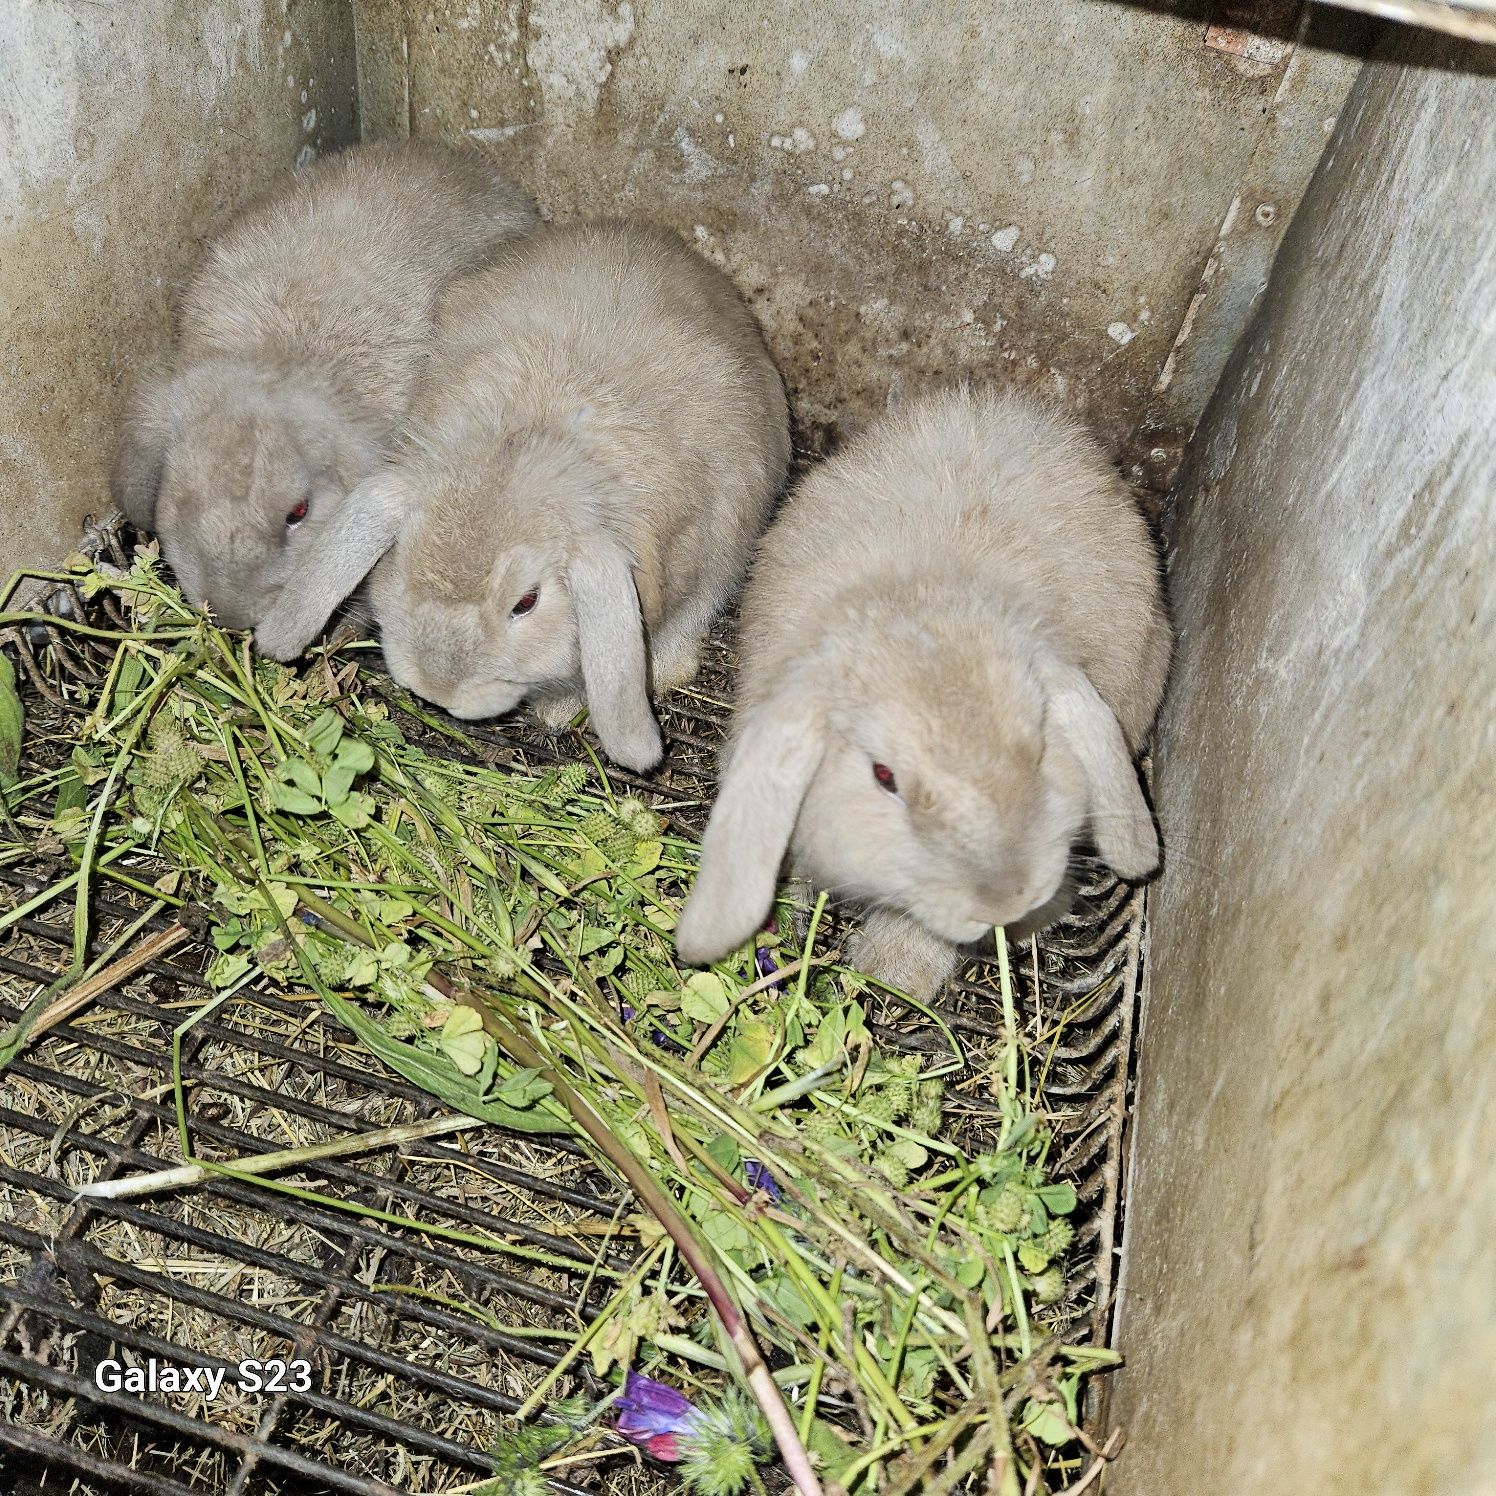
(1053, 193)
(128, 132)
(1309, 1290)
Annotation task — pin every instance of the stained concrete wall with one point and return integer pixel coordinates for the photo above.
(128, 133)
(1049, 192)
(1309, 1287)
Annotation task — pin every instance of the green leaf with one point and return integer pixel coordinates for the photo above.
(753, 1046)
(284, 899)
(832, 1448)
(1089, 1357)
(970, 1271)
(355, 755)
(589, 863)
(294, 801)
(463, 1040)
(226, 969)
(1033, 1257)
(235, 898)
(363, 967)
(725, 1230)
(355, 812)
(907, 1152)
(646, 857)
(791, 1015)
(829, 1043)
(337, 782)
(607, 963)
(780, 1292)
(917, 1374)
(484, 1078)
(227, 936)
(724, 1153)
(436, 1073)
(127, 682)
(523, 1089)
(1047, 1423)
(1059, 1199)
(595, 938)
(323, 735)
(89, 766)
(72, 795)
(705, 997)
(12, 724)
(300, 773)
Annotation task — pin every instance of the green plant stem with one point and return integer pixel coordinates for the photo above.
(754, 1369)
(184, 1175)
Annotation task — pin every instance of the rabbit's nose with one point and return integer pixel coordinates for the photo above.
(998, 895)
(228, 613)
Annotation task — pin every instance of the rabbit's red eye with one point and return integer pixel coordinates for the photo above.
(295, 515)
(884, 775)
(525, 603)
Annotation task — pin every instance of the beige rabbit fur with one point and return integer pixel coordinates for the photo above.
(298, 347)
(598, 443)
(967, 598)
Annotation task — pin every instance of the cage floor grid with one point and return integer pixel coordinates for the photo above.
(415, 1348)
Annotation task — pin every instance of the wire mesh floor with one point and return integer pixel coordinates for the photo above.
(414, 1349)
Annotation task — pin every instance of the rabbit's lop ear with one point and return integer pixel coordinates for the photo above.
(145, 435)
(1121, 824)
(615, 668)
(758, 802)
(342, 553)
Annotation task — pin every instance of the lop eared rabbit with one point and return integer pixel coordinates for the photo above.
(299, 340)
(596, 448)
(953, 643)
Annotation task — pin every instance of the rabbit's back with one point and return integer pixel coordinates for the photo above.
(340, 268)
(626, 338)
(630, 317)
(1012, 499)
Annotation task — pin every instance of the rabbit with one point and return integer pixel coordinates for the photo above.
(599, 440)
(298, 345)
(953, 642)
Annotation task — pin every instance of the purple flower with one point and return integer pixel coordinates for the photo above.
(654, 1416)
(764, 962)
(658, 1037)
(759, 1178)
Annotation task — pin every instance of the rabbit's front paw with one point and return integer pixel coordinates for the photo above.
(638, 749)
(902, 954)
(555, 713)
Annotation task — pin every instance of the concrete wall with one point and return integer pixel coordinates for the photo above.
(1309, 1289)
(128, 132)
(1052, 192)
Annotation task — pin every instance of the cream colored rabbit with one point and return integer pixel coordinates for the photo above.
(299, 342)
(599, 441)
(953, 642)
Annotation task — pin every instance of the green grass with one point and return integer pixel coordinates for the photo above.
(503, 940)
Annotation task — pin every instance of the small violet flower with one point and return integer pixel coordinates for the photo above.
(661, 1040)
(758, 1177)
(654, 1416)
(764, 962)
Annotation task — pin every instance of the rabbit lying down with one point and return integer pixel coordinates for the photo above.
(597, 445)
(299, 340)
(953, 643)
